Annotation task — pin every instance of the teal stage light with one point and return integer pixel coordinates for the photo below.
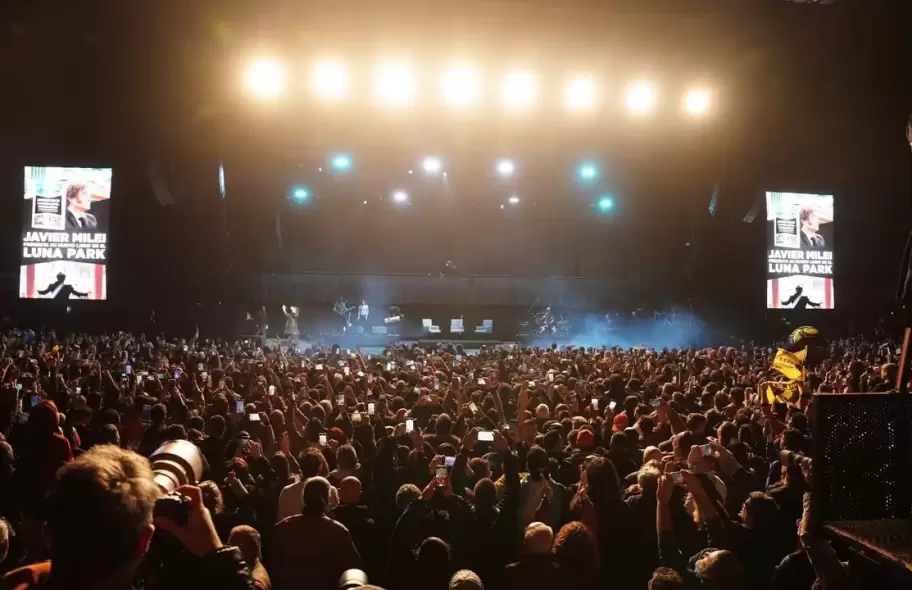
(341, 162)
(605, 204)
(587, 171)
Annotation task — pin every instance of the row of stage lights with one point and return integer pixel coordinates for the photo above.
(505, 168)
(395, 84)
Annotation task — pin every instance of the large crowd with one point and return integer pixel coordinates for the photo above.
(421, 468)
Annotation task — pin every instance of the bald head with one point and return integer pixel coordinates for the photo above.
(350, 490)
(538, 538)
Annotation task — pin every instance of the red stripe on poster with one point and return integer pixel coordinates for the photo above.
(99, 282)
(775, 287)
(30, 280)
(828, 294)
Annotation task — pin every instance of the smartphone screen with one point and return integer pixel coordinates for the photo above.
(655, 403)
(707, 450)
(370, 408)
(485, 436)
(129, 369)
(473, 407)
(254, 417)
(551, 377)
(595, 403)
(347, 371)
(199, 366)
(481, 381)
(323, 440)
(340, 400)
(239, 406)
(319, 367)
(612, 404)
(449, 461)
(272, 390)
(436, 384)
(442, 473)
(78, 390)
(34, 400)
(676, 477)
(409, 425)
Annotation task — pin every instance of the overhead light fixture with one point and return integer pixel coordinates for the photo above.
(505, 168)
(640, 98)
(265, 78)
(432, 165)
(697, 102)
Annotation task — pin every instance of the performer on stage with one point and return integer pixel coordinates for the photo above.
(363, 311)
(262, 324)
(342, 308)
(291, 323)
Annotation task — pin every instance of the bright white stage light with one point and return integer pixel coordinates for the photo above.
(697, 102)
(330, 80)
(514, 200)
(640, 98)
(461, 86)
(400, 196)
(432, 165)
(394, 84)
(579, 94)
(265, 78)
(519, 90)
(505, 167)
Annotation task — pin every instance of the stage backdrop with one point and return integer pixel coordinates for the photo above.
(799, 251)
(65, 233)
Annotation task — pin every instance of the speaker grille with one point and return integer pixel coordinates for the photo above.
(862, 459)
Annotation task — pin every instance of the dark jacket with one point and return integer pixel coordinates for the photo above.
(310, 552)
(535, 571)
(491, 535)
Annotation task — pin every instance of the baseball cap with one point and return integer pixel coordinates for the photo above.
(620, 422)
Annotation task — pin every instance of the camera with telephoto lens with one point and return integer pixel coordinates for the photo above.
(174, 464)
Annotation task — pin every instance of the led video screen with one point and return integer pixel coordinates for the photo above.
(799, 251)
(65, 233)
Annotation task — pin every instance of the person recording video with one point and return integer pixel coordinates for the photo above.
(61, 290)
(78, 203)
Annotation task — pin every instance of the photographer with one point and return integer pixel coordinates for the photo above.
(99, 527)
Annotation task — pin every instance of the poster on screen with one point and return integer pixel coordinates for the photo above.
(65, 226)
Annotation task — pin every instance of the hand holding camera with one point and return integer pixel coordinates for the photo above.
(198, 534)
